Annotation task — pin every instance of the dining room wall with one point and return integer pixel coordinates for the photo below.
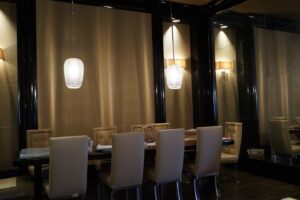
(116, 48)
(227, 88)
(179, 103)
(8, 86)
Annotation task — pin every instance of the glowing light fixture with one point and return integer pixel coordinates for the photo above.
(224, 67)
(1, 54)
(174, 72)
(73, 67)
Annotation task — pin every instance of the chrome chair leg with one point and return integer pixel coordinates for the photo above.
(126, 194)
(83, 197)
(112, 194)
(179, 191)
(216, 186)
(196, 189)
(156, 193)
(139, 195)
(161, 191)
(99, 191)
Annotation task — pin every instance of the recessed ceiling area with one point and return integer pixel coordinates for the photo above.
(284, 9)
(192, 2)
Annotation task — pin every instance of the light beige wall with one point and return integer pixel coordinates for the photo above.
(8, 86)
(116, 48)
(179, 105)
(227, 90)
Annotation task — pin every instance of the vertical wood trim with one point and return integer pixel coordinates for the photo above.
(158, 65)
(27, 71)
(203, 75)
(246, 74)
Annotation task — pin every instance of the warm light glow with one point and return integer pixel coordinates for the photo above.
(224, 65)
(174, 75)
(1, 54)
(73, 71)
(180, 62)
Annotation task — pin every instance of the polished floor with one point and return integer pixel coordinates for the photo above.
(250, 186)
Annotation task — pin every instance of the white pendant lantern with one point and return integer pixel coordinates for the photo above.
(173, 72)
(73, 71)
(174, 75)
(73, 67)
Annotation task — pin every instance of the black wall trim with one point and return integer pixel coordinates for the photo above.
(203, 76)
(234, 19)
(246, 75)
(27, 75)
(158, 66)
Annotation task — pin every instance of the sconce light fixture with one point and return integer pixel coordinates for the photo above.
(173, 71)
(1, 54)
(225, 67)
(73, 67)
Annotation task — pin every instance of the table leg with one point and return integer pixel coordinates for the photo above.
(38, 192)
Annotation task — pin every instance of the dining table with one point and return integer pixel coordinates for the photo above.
(40, 156)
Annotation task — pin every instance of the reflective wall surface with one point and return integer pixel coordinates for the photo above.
(274, 63)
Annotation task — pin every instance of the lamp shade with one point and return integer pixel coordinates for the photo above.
(224, 65)
(73, 71)
(1, 54)
(174, 75)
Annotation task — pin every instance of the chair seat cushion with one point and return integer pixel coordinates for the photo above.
(191, 168)
(45, 170)
(105, 178)
(228, 158)
(150, 174)
(295, 148)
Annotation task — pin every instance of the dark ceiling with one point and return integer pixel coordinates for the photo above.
(284, 9)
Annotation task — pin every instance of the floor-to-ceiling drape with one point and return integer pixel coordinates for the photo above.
(278, 72)
(116, 48)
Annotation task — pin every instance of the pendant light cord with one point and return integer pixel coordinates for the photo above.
(173, 48)
(72, 24)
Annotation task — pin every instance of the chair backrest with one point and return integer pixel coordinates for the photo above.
(36, 138)
(127, 159)
(279, 136)
(297, 120)
(138, 128)
(103, 135)
(208, 151)
(161, 126)
(235, 131)
(169, 155)
(68, 166)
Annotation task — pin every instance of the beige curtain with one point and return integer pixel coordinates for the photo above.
(116, 49)
(278, 72)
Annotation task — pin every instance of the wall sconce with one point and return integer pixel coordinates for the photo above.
(1, 54)
(225, 67)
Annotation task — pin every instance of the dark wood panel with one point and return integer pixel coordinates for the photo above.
(27, 74)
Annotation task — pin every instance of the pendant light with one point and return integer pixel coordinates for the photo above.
(73, 67)
(174, 72)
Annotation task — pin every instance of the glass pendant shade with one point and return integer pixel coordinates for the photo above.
(174, 75)
(73, 71)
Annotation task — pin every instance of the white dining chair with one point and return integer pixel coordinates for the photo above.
(68, 161)
(208, 156)
(168, 161)
(127, 164)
